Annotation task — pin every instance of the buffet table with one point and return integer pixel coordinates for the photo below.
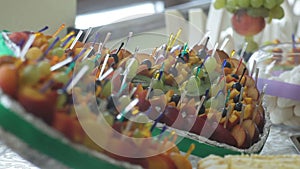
(14, 154)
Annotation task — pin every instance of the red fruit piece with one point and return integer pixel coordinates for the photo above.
(18, 37)
(143, 103)
(69, 126)
(247, 25)
(222, 135)
(260, 121)
(41, 105)
(172, 117)
(252, 129)
(241, 136)
(7, 60)
(253, 93)
(140, 93)
(9, 79)
(194, 124)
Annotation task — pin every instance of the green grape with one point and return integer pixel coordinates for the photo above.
(220, 101)
(44, 68)
(214, 89)
(124, 101)
(158, 84)
(61, 77)
(141, 118)
(232, 3)
(157, 92)
(133, 67)
(210, 64)
(256, 3)
(256, 12)
(61, 100)
(269, 4)
(244, 3)
(138, 134)
(277, 12)
(51, 40)
(207, 104)
(163, 77)
(200, 75)
(230, 9)
(192, 86)
(219, 4)
(214, 103)
(107, 88)
(30, 75)
(279, 2)
(58, 51)
(34, 53)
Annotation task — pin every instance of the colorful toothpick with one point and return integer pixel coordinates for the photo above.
(43, 29)
(49, 48)
(244, 49)
(224, 43)
(67, 36)
(104, 65)
(89, 30)
(58, 30)
(120, 116)
(76, 78)
(27, 46)
(61, 64)
(76, 39)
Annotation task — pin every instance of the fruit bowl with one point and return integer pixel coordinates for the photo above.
(279, 68)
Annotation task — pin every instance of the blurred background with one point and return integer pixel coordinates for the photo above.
(137, 16)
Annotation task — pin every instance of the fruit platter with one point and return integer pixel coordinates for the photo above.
(85, 103)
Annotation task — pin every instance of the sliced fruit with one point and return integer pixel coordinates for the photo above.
(241, 136)
(172, 117)
(252, 130)
(40, 104)
(253, 93)
(180, 161)
(9, 79)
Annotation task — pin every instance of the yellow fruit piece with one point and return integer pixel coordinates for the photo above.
(180, 161)
(233, 118)
(243, 80)
(233, 93)
(248, 100)
(228, 85)
(248, 111)
(222, 120)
